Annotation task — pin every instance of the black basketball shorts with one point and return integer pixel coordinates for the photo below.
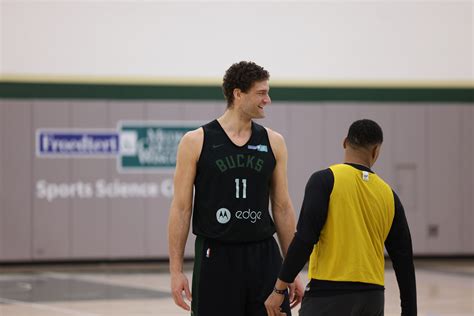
(357, 303)
(234, 279)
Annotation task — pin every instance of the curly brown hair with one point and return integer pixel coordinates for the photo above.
(242, 76)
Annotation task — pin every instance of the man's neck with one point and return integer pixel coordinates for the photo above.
(233, 122)
(358, 161)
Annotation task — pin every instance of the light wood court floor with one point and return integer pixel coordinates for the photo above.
(445, 288)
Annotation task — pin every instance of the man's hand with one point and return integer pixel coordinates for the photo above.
(296, 292)
(273, 303)
(180, 284)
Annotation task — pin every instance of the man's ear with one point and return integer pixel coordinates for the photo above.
(344, 143)
(237, 93)
(376, 152)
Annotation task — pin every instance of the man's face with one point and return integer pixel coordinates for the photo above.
(254, 101)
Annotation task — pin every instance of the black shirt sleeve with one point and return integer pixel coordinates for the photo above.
(312, 218)
(399, 248)
(314, 210)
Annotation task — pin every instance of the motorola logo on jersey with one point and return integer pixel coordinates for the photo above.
(223, 215)
(252, 216)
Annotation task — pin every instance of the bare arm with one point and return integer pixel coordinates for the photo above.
(282, 208)
(180, 212)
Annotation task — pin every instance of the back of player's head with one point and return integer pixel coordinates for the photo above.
(364, 133)
(242, 76)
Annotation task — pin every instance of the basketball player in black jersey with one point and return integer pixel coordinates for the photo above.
(235, 166)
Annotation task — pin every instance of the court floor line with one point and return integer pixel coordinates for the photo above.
(100, 278)
(66, 311)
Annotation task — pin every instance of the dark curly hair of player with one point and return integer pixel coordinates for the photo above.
(365, 133)
(242, 76)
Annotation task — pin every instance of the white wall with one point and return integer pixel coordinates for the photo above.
(295, 40)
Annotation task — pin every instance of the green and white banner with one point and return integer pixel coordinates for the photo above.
(150, 146)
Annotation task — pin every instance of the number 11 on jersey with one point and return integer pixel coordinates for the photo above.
(237, 188)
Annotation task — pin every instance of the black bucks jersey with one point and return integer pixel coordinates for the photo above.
(232, 186)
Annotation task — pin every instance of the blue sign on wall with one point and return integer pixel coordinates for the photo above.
(76, 143)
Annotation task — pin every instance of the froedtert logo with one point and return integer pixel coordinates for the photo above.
(76, 143)
(223, 215)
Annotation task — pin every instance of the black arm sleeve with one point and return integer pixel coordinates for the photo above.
(399, 248)
(296, 257)
(314, 210)
(310, 223)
